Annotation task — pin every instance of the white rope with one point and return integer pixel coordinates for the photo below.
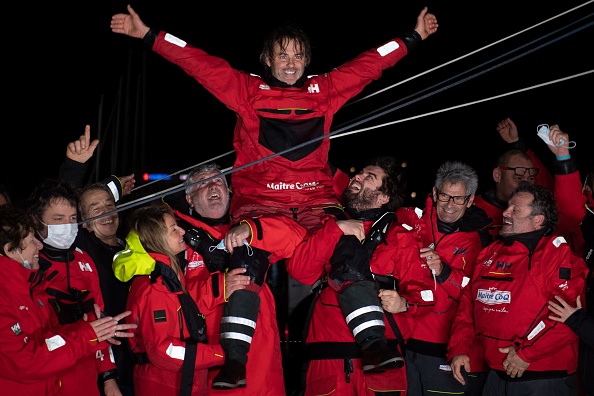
(180, 187)
(465, 104)
(470, 53)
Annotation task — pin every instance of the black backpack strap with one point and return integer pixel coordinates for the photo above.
(397, 332)
(376, 236)
(316, 289)
(187, 379)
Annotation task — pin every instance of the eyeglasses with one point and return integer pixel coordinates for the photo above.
(521, 171)
(458, 199)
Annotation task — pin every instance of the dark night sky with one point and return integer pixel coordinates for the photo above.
(66, 69)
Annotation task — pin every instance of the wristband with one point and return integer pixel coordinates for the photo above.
(563, 157)
(108, 375)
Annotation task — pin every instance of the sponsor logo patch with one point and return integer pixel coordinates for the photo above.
(492, 296)
(16, 328)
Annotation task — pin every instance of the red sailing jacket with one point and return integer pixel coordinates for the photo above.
(82, 378)
(279, 235)
(567, 189)
(272, 119)
(156, 310)
(398, 257)
(506, 304)
(458, 251)
(33, 354)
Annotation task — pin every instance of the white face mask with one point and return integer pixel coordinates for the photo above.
(61, 236)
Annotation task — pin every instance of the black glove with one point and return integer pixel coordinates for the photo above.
(203, 243)
(349, 262)
(377, 233)
(254, 260)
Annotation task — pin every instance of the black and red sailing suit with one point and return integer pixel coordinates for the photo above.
(71, 285)
(457, 244)
(335, 362)
(273, 117)
(36, 353)
(567, 189)
(506, 305)
(264, 369)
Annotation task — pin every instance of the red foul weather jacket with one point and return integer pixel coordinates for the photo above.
(34, 354)
(567, 189)
(160, 338)
(399, 257)
(457, 251)
(278, 235)
(74, 268)
(274, 118)
(507, 302)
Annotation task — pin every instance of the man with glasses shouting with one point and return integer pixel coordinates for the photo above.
(519, 163)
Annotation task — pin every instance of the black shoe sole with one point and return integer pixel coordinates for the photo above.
(390, 364)
(228, 385)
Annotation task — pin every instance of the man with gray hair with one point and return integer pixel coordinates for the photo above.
(450, 231)
(226, 292)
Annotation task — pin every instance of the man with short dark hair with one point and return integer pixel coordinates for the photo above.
(354, 340)
(506, 304)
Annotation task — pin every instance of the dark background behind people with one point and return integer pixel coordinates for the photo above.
(78, 84)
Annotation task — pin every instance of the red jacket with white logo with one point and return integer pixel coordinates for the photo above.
(457, 251)
(274, 119)
(81, 275)
(567, 189)
(278, 235)
(507, 302)
(399, 257)
(33, 354)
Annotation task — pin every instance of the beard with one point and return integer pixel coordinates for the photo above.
(362, 200)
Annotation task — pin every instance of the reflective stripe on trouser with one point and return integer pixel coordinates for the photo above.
(238, 324)
(363, 313)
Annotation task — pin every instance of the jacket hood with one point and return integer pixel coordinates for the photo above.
(134, 260)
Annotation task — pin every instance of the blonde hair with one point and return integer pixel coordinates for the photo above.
(149, 223)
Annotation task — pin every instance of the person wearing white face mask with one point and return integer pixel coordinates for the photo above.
(60, 236)
(69, 282)
(34, 355)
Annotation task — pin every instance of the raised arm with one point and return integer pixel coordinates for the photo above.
(426, 24)
(129, 24)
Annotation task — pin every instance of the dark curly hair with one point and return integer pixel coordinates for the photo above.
(543, 203)
(15, 226)
(394, 184)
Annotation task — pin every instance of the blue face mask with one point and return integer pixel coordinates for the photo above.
(26, 263)
(61, 236)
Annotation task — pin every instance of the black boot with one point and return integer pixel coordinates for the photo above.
(365, 317)
(236, 338)
(231, 376)
(377, 357)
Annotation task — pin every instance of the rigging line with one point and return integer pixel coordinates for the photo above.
(183, 170)
(423, 90)
(331, 134)
(469, 103)
(455, 83)
(178, 188)
(340, 130)
(479, 66)
(464, 56)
